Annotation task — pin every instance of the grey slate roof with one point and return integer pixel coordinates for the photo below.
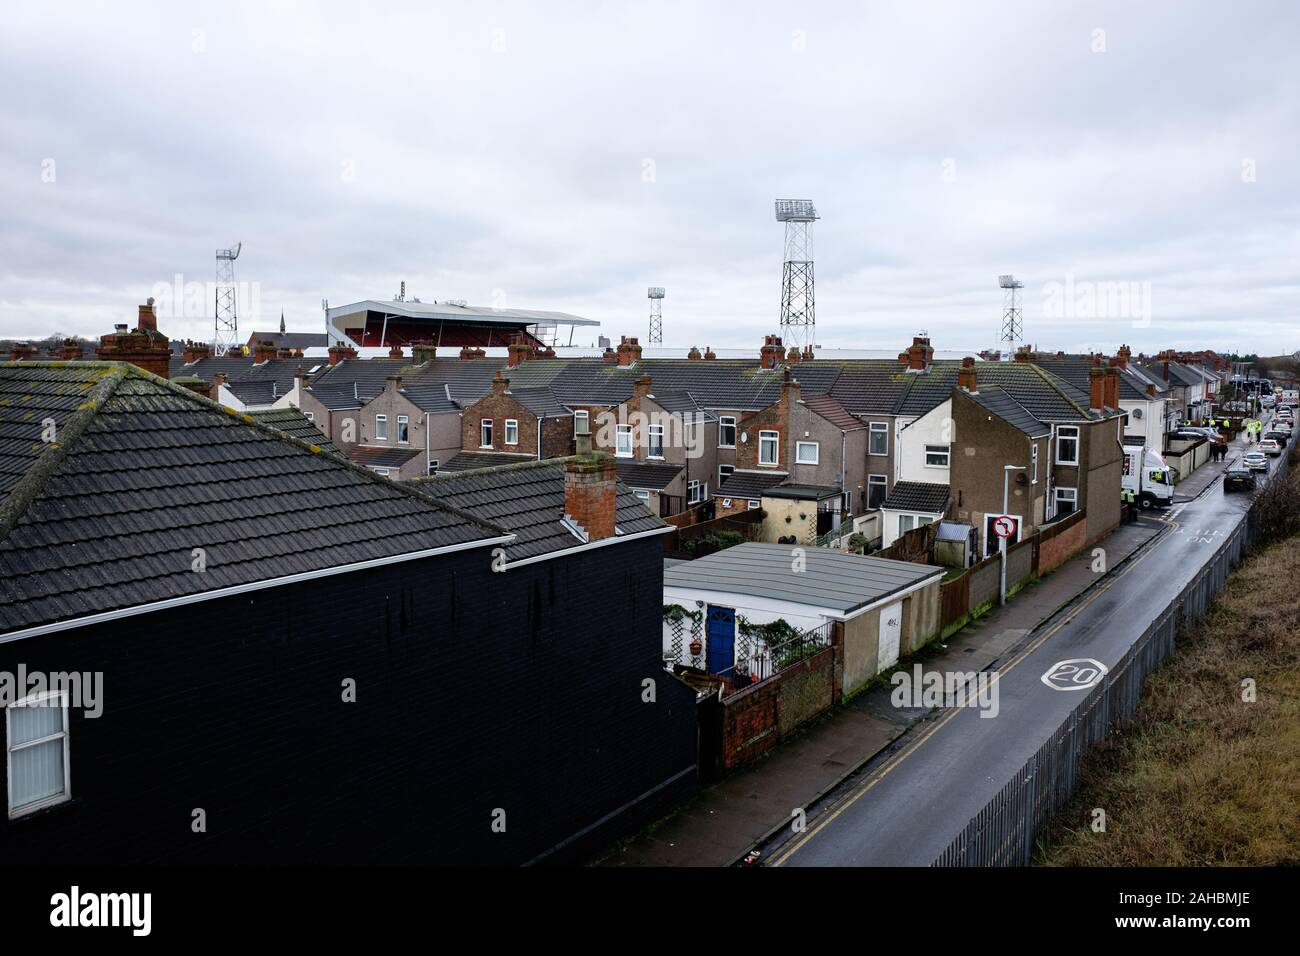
(647, 476)
(748, 484)
(798, 492)
(833, 580)
(383, 456)
(470, 460)
(294, 423)
(920, 496)
(292, 340)
(528, 499)
(995, 399)
(1073, 368)
(145, 471)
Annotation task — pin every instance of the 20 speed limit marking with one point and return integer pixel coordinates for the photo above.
(1079, 673)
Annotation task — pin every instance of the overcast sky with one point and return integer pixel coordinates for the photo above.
(566, 155)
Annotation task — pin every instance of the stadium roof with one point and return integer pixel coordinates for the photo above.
(445, 312)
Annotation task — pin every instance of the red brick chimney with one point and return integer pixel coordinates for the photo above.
(468, 354)
(694, 354)
(919, 354)
(966, 375)
(807, 353)
(1112, 385)
(518, 351)
(70, 350)
(629, 351)
(709, 354)
(770, 355)
(263, 351)
(792, 357)
(1096, 387)
(790, 391)
(217, 381)
(23, 352)
(1151, 390)
(1024, 354)
(499, 384)
(194, 351)
(393, 383)
(395, 353)
(422, 352)
(641, 388)
(609, 355)
(146, 347)
(1122, 356)
(590, 487)
(339, 352)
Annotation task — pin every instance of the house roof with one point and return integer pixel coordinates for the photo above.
(292, 340)
(470, 460)
(749, 484)
(798, 492)
(1074, 368)
(294, 423)
(832, 580)
(834, 412)
(144, 471)
(994, 399)
(918, 496)
(382, 456)
(646, 476)
(528, 500)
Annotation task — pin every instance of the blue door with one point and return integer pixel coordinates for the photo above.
(721, 635)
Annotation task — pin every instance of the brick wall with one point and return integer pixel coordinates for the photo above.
(499, 408)
(755, 720)
(475, 691)
(1055, 547)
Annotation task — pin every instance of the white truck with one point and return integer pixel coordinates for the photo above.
(1147, 477)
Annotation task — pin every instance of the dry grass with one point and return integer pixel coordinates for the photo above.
(1201, 778)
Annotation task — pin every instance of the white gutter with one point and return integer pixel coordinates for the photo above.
(249, 588)
(589, 546)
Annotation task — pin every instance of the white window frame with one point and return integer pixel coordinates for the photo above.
(696, 491)
(874, 429)
(643, 496)
(754, 504)
(381, 428)
(725, 422)
(512, 424)
(799, 447)
(581, 415)
(1072, 497)
(938, 450)
(1061, 432)
(431, 466)
(725, 472)
(403, 430)
(54, 799)
(884, 485)
(911, 523)
(311, 416)
(380, 470)
(485, 427)
(619, 432)
(654, 432)
(1033, 461)
(775, 438)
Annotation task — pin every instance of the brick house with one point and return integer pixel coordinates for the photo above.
(235, 728)
(528, 422)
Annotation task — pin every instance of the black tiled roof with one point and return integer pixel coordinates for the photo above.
(145, 471)
(994, 398)
(379, 456)
(920, 496)
(1073, 368)
(470, 460)
(528, 499)
(541, 401)
(648, 476)
(293, 422)
(292, 340)
(748, 484)
(833, 410)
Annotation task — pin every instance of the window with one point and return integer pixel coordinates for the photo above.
(381, 428)
(655, 447)
(433, 467)
(726, 502)
(1067, 445)
(512, 431)
(485, 433)
(906, 523)
(581, 423)
(311, 416)
(623, 441)
(878, 441)
(380, 471)
(693, 492)
(726, 431)
(768, 448)
(403, 430)
(36, 741)
(724, 472)
(1033, 462)
(877, 486)
(644, 496)
(805, 453)
(1067, 500)
(754, 504)
(936, 456)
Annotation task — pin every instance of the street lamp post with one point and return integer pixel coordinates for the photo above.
(1002, 542)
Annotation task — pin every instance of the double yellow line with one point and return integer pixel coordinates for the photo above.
(897, 759)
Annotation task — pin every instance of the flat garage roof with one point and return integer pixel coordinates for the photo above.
(832, 579)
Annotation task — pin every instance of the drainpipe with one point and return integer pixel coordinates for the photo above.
(539, 438)
(426, 443)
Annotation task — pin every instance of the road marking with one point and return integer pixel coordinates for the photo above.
(1078, 673)
(848, 801)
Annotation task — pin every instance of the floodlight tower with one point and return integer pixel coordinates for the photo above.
(226, 332)
(1013, 327)
(656, 294)
(798, 310)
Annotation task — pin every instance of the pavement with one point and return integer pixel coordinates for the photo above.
(726, 819)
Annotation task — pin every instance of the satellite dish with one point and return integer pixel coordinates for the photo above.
(744, 437)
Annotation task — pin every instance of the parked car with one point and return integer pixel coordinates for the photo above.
(1237, 478)
(1280, 437)
(1255, 461)
(1270, 447)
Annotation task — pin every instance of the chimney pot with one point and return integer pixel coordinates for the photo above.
(590, 493)
(1096, 387)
